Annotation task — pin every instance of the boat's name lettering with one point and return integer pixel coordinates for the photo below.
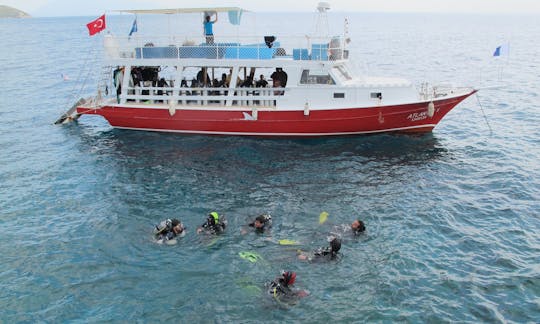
(417, 116)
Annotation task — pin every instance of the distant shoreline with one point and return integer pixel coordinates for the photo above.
(9, 12)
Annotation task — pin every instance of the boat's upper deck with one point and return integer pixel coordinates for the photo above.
(182, 47)
(184, 37)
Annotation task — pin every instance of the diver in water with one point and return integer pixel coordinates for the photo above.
(214, 224)
(281, 287)
(261, 224)
(354, 229)
(358, 227)
(330, 252)
(168, 230)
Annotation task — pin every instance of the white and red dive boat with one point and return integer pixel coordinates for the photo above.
(212, 85)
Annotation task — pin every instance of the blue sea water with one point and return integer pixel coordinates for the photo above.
(452, 216)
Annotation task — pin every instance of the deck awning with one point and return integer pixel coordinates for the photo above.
(181, 10)
(235, 13)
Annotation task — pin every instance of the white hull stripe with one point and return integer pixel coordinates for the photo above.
(277, 134)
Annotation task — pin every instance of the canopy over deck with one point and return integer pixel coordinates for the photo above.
(182, 10)
(234, 13)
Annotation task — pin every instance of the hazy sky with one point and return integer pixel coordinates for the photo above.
(95, 7)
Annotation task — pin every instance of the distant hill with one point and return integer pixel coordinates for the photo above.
(8, 12)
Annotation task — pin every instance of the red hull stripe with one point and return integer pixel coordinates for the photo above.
(329, 122)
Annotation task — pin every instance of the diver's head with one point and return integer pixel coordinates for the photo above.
(177, 226)
(207, 18)
(358, 226)
(335, 244)
(289, 277)
(213, 218)
(259, 222)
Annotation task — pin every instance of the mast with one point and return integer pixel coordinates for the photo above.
(321, 28)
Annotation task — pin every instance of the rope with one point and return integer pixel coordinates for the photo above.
(74, 92)
(484, 114)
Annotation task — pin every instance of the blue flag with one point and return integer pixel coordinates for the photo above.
(133, 27)
(502, 50)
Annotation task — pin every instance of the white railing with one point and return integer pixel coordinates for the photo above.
(297, 48)
(429, 92)
(205, 96)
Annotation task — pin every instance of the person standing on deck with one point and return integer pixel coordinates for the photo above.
(279, 78)
(261, 83)
(118, 79)
(208, 29)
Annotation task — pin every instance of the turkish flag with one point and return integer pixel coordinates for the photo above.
(96, 26)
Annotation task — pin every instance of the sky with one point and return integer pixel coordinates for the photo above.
(47, 8)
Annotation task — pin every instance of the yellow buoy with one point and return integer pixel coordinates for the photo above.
(323, 217)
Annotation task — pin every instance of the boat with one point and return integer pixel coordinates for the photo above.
(196, 85)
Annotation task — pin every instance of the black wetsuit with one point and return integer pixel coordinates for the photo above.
(259, 230)
(325, 253)
(277, 288)
(213, 228)
(166, 235)
(164, 231)
(267, 224)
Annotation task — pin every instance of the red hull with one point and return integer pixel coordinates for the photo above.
(400, 118)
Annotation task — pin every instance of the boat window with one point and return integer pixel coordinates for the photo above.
(316, 77)
(339, 95)
(341, 72)
(376, 95)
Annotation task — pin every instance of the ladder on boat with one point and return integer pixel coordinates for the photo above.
(71, 114)
(104, 81)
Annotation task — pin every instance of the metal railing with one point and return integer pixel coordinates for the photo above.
(296, 48)
(429, 91)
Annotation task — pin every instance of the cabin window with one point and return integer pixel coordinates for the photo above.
(316, 77)
(376, 95)
(339, 95)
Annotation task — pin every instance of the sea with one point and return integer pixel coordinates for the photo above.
(452, 217)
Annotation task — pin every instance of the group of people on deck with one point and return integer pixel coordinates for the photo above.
(149, 77)
(279, 79)
(281, 288)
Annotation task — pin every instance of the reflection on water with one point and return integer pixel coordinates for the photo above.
(394, 148)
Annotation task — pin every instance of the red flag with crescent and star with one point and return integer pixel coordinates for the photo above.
(96, 26)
